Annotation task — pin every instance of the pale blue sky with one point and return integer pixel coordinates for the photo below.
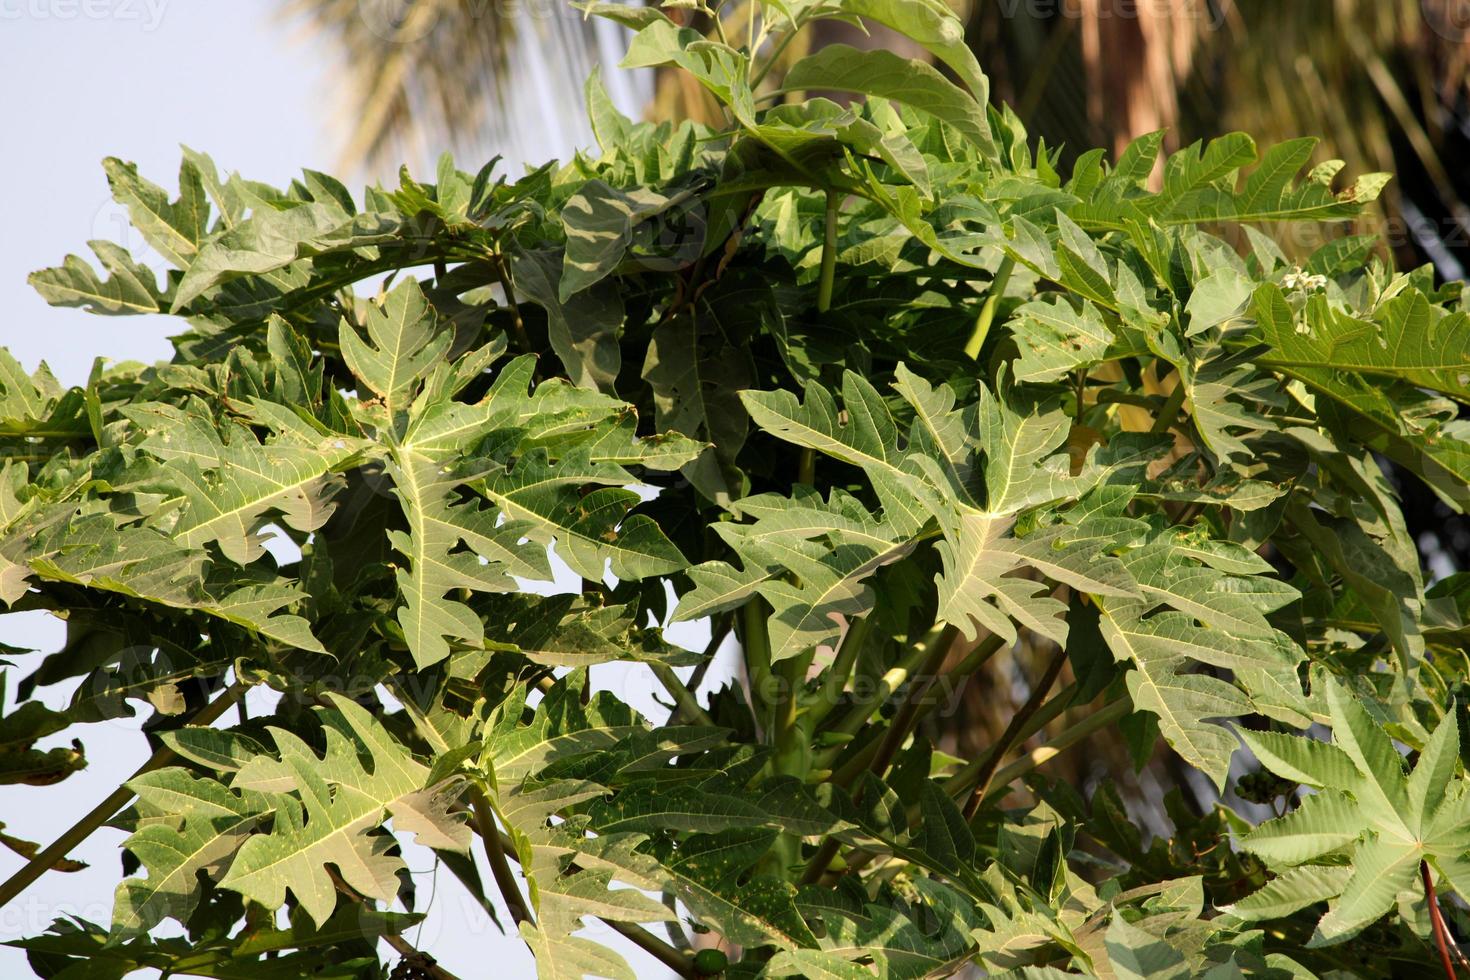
(213, 76)
(134, 79)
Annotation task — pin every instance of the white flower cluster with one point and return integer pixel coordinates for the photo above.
(1306, 282)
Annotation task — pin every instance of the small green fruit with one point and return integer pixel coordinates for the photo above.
(710, 962)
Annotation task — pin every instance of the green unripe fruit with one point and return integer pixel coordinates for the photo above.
(710, 962)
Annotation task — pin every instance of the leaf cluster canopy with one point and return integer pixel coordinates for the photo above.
(872, 387)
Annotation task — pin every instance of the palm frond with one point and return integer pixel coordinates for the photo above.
(471, 76)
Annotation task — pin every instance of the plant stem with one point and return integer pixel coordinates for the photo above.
(972, 663)
(482, 821)
(780, 49)
(793, 673)
(959, 783)
(674, 959)
(108, 808)
(1170, 411)
(1436, 919)
(791, 738)
(817, 866)
(829, 255)
(898, 729)
(400, 945)
(719, 25)
(1013, 730)
(892, 680)
(1041, 755)
(837, 674)
(686, 705)
(679, 962)
(976, 658)
(898, 732)
(518, 326)
(1190, 512)
(495, 851)
(916, 708)
(962, 780)
(719, 629)
(758, 659)
(987, 312)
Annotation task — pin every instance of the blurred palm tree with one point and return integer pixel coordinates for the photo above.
(476, 77)
(1386, 79)
(482, 77)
